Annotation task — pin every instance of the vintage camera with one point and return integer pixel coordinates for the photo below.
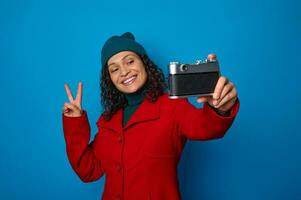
(197, 79)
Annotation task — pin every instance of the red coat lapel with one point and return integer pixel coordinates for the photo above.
(145, 112)
(114, 124)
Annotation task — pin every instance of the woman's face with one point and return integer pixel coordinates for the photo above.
(127, 71)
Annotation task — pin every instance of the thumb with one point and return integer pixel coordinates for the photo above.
(202, 99)
(211, 56)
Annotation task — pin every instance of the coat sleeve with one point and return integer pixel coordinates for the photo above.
(80, 153)
(202, 123)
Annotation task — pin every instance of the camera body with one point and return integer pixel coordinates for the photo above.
(197, 79)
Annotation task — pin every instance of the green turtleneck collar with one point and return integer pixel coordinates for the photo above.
(134, 100)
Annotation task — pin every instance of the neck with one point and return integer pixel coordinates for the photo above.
(135, 98)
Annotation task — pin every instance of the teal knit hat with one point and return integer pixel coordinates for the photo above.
(116, 44)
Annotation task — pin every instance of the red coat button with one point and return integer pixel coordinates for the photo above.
(119, 139)
(118, 197)
(118, 167)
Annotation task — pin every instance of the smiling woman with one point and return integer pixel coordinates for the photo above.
(124, 55)
(142, 132)
(127, 71)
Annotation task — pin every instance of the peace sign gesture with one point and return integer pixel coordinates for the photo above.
(74, 107)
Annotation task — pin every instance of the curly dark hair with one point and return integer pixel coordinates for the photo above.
(112, 99)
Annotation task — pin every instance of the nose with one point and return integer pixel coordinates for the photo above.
(124, 71)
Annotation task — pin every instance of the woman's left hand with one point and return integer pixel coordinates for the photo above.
(224, 96)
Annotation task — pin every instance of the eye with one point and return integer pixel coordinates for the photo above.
(130, 62)
(115, 69)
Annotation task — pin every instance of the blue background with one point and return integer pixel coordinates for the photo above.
(44, 44)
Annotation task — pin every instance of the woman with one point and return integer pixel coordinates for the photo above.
(142, 132)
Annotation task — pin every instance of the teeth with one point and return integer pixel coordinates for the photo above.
(129, 80)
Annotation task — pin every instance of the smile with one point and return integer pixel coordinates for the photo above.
(129, 80)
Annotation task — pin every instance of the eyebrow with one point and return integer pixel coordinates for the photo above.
(122, 58)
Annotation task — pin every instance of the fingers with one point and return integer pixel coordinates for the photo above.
(71, 110)
(211, 56)
(69, 94)
(69, 107)
(227, 88)
(231, 96)
(66, 109)
(219, 87)
(79, 92)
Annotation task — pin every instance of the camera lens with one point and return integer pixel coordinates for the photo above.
(183, 68)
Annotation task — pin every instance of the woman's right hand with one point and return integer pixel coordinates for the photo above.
(73, 108)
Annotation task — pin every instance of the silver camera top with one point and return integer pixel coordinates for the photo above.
(207, 65)
(205, 61)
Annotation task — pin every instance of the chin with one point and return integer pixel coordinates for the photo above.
(129, 90)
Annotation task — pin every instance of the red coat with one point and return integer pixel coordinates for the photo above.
(140, 159)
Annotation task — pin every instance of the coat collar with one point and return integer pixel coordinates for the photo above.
(145, 112)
